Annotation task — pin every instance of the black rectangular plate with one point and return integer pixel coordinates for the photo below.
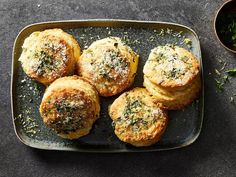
(184, 126)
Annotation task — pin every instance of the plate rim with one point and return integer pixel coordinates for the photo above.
(184, 144)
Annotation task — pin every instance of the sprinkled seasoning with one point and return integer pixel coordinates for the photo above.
(28, 124)
(137, 115)
(162, 33)
(112, 66)
(168, 63)
(169, 31)
(188, 42)
(137, 39)
(68, 113)
(31, 94)
(221, 82)
(50, 59)
(223, 76)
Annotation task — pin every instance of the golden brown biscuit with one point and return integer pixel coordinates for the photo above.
(171, 67)
(109, 65)
(70, 106)
(137, 119)
(174, 99)
(48, 55)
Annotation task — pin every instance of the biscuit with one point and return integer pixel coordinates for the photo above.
(109, 65)
(137, 119)
(48, 55)
(70, 106)
(174, 99)
(171, 67)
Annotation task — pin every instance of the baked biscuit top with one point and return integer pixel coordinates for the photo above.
(109, 64)
(135, 113)
(49, 54)
(67, 112)
(171, 66)
(48, 57)
(70, 104)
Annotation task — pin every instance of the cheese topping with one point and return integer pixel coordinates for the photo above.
(166, 64)
(48, 61)
(45, 57)
(109, 64)
(112, 67)
(137, 115)
(69, 112)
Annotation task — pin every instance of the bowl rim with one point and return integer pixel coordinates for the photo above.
(216, 15)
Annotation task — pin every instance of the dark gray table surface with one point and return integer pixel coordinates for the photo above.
(214, 152)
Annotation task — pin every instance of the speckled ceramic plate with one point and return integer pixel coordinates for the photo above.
(184, 126)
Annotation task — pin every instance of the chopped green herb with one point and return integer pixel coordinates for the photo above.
(190, 65)
(217, 72)
(112, 61)
(227, 30)
(184, 59)
(152, 38)
(171, 46)
(162, 33)
(226, 78)
(188, 41)
(220, 83)
(232, 72)
(46, 63)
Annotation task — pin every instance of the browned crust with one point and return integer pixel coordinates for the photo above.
(56, 93)
(144, 141)
(144, 137)
(55, 37)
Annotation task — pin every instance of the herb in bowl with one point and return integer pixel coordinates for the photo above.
(227, 30)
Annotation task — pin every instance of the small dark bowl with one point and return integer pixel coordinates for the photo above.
(228, 8)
